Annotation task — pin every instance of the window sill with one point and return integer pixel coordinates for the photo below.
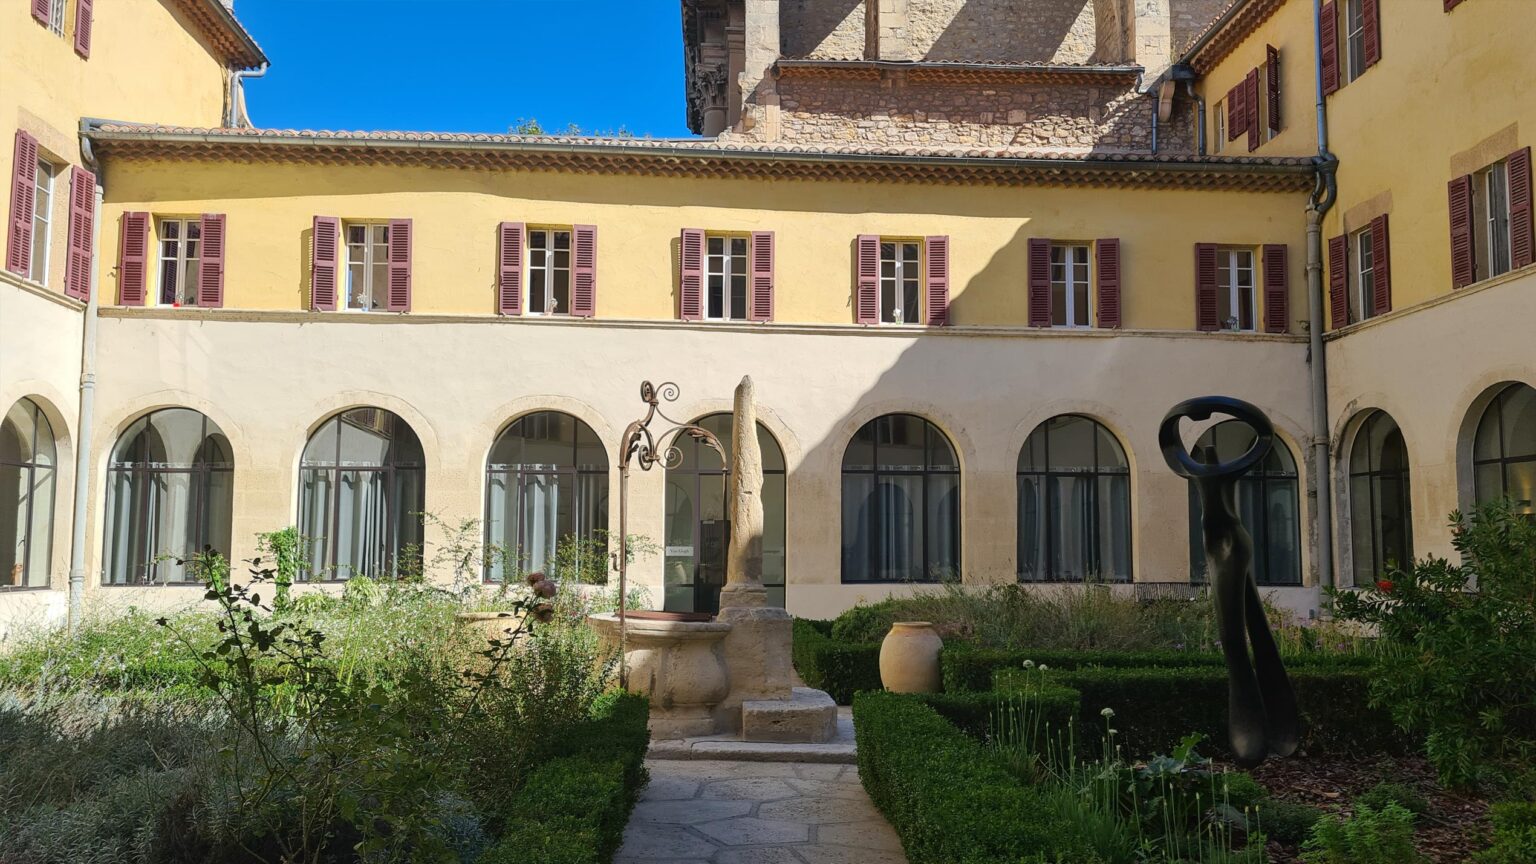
(41, 290)
(153, 585)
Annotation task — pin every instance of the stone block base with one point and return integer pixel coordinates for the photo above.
(807, 716)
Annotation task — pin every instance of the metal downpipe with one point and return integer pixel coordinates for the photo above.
(85, 423)
(1324, 194)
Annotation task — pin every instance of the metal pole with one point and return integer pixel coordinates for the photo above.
(83, 428)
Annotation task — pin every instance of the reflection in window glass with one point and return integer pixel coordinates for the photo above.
(1267, 502)
(27, 466)
(1074, 504)
(361, 496)
(901, 503)
(1504, 452)
(547, 499)
(1381, 519)
(169, 496)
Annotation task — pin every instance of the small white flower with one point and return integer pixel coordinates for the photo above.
(1107, 712)
(1029, 664)
(1043, 667)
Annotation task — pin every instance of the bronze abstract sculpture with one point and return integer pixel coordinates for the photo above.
(1263, 719)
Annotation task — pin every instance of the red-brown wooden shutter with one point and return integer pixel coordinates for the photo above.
(1381, 265)
(42, 10)
(1451, 4)
(1277, 289)
(1522, 247)
(1338, 280)
(210, 262)
(133, 259)
(1272, 88)
(399, 266)
(1205, 287)
(1370, 19)
(83, 28)
(1237, 113)
(82, 215)
(690, 275)
(1108, 274)
(936, 279)
(1463, 265)
(18, 246)
(1039, 275)
(509, 268)
(1329, 31)
(760, 279)
(324, 262)
(1251, 97)
(867, 297)
(584, 271)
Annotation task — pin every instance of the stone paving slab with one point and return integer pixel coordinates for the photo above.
(719, 812)
(838, 751)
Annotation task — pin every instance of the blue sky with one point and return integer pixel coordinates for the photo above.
(468, 65)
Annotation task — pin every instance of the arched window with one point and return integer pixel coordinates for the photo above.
(546, 501)
(27, 460)
(1074, 504)
(901, 503)
(1504, 454)
(698, 526)
(1267, 502)
(361, 494)
(170, 492)
(1381, 523)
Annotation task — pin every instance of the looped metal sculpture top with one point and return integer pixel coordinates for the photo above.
(1263, 718)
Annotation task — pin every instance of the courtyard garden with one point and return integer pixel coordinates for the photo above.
(376, 724)
(1082, 726)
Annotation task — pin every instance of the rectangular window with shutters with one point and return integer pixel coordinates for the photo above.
(56, 16)
(42, 217)
(1490, 207)
(549, 271)
(367, 265)
(901, 275)
(1070, 292)
(1220, 125)
(1234, 289)
(1362, 277)
(725, 277)
(1354, 39)
(180, 242)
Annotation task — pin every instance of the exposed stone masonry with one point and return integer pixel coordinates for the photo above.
(827, 29)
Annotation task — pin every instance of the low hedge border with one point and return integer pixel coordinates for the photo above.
(839, 668)
(951, 801)
(1156, 707)
(573, 807)
(967, 667)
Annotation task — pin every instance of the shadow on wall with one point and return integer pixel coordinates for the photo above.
(823, 28)
(1004, 31)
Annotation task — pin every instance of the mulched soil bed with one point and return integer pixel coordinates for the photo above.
(1455, 826)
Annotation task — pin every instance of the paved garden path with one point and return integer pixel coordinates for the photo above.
(707, 812)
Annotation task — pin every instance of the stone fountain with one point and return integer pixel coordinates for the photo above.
(730, 675)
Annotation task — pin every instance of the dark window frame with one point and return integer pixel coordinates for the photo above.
(1402, 478)
(1046, 475)
(40, 422)
(517, 479)
(931, 434)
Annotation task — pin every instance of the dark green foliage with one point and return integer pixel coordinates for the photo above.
(1379, 796)
(1459, 664)
(1286, 821)
(974, 713)
(1514, 834)
(950, 800)
(841, 669)
(1371, 836)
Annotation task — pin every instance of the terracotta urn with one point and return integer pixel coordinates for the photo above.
(909, 658)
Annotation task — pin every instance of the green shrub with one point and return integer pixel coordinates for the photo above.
(839, 668)
(1386, 792)
(1286, 821)
(1514, 834)
(975, 713)
(1371, 836)
(1459, 667)
(950, 800)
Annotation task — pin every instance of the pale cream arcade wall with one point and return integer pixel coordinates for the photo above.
(1433, 367)
(269, 378)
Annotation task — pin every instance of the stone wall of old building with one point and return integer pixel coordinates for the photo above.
(1001, 31)
(824, 29)
(1115, 31)
(897, 111)
(1187, 19)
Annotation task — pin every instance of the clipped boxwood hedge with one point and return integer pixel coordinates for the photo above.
(1156, 707)
(839, 668)
(967, 667)
(975, 713)
(950, 800)
(573, 807)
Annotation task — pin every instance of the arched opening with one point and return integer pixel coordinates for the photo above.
(28, 464)
(1268, 501)
(546, 500)
(1504, 449)
(1380, 513)
(698, 524)
(901, 503)
(1074, 486)
(170, 495)
(362, 490)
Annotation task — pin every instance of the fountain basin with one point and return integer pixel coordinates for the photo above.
(679, 665)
